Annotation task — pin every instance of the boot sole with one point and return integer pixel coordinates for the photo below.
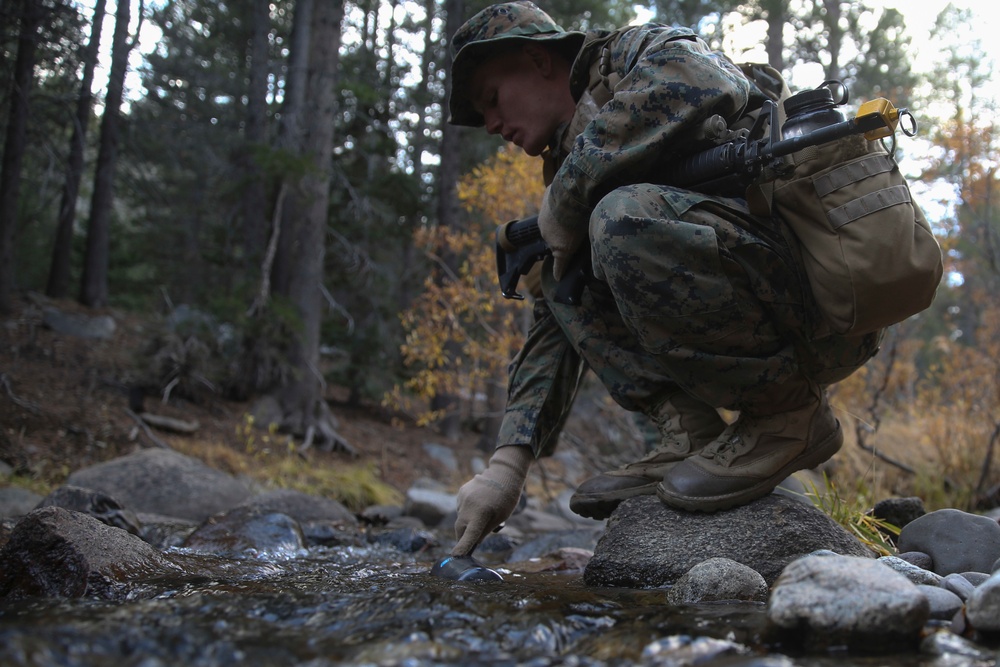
(601, 505)
(810, 458)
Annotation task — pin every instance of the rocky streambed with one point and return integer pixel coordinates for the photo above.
(155, 560)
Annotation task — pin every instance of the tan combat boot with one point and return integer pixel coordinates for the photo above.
(794, 431)
(685, 425)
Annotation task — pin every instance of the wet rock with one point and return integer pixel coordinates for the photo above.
(379, 515)
(164, 532)
(102, 507)
(580, 538)
(899, 511)
(716, 580)
(565, 559)
(302, 507)
(648, 544)
(55, 552)
(687, 650)
(16, 502)
(247, 533)
(329, 534)
(161, 481)
(956, 541)
(407, 540)
(821, 602)
(983, 607)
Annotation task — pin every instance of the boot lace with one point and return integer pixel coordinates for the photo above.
(734, 441)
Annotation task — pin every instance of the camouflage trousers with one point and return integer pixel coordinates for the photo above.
(693, 292)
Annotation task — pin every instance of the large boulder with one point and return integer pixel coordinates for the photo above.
(55, 552)
(648, 544)
(162, 481)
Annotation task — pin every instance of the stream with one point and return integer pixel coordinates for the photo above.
(376, 606)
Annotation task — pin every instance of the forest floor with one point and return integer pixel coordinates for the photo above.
(64, 405)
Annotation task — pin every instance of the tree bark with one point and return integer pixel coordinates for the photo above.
(32, 18)
(94, 284)
(448, 207)
(255, 223)
(303, 405)
(59, 271)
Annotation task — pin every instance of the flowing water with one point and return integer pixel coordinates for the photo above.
(350, 606)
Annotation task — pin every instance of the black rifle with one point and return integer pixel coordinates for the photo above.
(724, 169)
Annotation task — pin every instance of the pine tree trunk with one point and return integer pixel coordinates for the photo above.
(59, 271)
(94, 287)
(447, 210)
(254, 194)
(304, 407)
(14, 145)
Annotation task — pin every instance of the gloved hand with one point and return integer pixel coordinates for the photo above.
(562, 241)
(485, 501)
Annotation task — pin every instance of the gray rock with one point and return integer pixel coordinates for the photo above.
(5, 470)
(899, 511)
(407, 540)
(16, 502)
(648, 544)
(959, 585)
(915, 574)
(428, 505)
(983, 607)
(161, 481)
(81, 326)
(164, 532)
(716, 580)
(302, 507)
(856, 602)
(442, 454)
(686, 650)
(55, 552)
(102, 507)
(918, 558)
(944, 604)
(976, 578)
(245, 532)
(577, 538)
(956, 541)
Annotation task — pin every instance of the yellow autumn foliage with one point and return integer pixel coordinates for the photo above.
(461, 333)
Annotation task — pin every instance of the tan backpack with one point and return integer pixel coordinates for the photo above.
(867, 248)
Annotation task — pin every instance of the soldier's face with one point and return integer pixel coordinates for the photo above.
(523, 96)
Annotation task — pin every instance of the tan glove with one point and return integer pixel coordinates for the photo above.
(486, 500)
(562, 241)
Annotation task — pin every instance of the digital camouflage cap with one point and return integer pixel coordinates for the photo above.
(497, 25)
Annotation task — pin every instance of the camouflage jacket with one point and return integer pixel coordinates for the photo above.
(642, 92)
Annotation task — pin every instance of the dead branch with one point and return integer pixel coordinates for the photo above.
(27, 405)
(145, 429)
(170, 423)
(862, 428)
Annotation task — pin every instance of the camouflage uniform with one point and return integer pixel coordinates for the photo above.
(689, 291)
